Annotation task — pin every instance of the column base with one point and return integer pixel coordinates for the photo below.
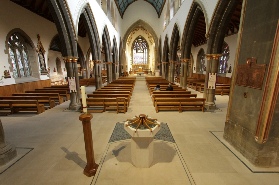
(210, 106)
(7, 153)
(89, 171)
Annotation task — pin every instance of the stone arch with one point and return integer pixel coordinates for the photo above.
(94, 40)
(188, 33)
(144, 25)
(67, 36)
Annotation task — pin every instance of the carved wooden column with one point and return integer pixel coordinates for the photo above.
(109, 72)
(71, 65)
(171, 71)
(7, 151)
(98, 73)
(91, 167)
(212, 68)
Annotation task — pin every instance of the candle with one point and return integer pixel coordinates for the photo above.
(83, 99)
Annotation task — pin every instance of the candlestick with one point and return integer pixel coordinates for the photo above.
(83, 99)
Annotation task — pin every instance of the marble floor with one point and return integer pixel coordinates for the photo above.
(51, 149)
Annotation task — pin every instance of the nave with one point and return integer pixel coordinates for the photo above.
(51, 148)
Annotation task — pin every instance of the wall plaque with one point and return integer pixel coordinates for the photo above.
(250, 74)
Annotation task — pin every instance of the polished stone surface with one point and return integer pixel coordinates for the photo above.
(194, 156)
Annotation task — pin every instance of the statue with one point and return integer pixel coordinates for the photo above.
(7, 74)
(230, 69)
(41, 52)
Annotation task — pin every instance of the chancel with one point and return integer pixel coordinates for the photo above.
(77, 98)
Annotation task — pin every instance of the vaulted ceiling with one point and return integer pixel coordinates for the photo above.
(40, 8)
(122, 5)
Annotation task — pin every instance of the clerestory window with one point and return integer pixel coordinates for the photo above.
(19, 56)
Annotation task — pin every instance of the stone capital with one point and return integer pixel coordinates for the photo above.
(185, 60)
(70, 59)
(213, 56)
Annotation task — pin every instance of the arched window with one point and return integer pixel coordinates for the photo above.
(200, 61)
(19, 56)
(140, 51)
(223, 61)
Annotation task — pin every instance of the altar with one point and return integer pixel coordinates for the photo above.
(139, 73)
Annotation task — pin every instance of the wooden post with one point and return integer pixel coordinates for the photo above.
(91, 167)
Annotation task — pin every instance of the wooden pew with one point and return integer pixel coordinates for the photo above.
(104, 104)
(155, 96)
(46, 100)
(127, 96)
(22, 105)
(222, 89)
(63, 93)
(179, 104)
(54, 96)
(174, 92)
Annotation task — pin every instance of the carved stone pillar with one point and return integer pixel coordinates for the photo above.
(98, 74)
(212, 67)
(71, 65)
(171, 71)
(109, 72)
(7, 151)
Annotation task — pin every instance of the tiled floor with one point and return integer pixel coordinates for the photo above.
(52, 151)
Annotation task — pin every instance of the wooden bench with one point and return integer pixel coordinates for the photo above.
(155, 96)
(127, 96)
(53, 96)
(63, 93)
(22, 105)
(46, 100)
(104, 104)
(222, 89)
(112, 92)
(179, 104)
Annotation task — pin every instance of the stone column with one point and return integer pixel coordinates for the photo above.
(98, 75)
(184, 73)
(7, 151)
(109, 72)
(164, 70)
(71, 65)
(171, 71)
(212, 67)
(117, 69)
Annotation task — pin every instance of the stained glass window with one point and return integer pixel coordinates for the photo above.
(19, 56)
(223, 61)
(201, 61)
(140, 51)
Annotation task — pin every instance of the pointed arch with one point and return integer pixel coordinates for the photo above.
(62, 19)
(195, 14)
(219, 23)
(92, 31)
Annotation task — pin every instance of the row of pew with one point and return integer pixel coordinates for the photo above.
(198, 85)
(179, 99)
(115, 96)
(37, 100)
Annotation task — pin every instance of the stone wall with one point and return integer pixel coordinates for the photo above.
(260, 22)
